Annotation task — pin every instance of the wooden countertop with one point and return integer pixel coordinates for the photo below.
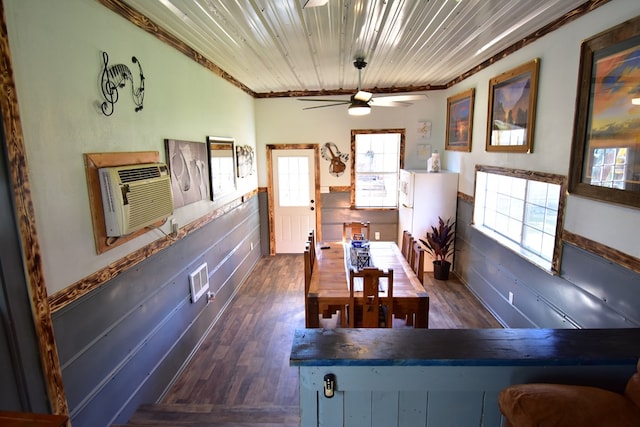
(464, 347)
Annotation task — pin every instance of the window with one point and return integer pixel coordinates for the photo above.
(521, 210)
(293, 181)
(609, 167)
(377, 157)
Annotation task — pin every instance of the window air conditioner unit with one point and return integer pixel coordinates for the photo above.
(135, 196)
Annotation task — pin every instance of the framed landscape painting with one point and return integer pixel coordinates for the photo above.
(460, 121)
(512, 109)
(605, 153)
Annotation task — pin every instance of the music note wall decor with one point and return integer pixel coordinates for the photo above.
(115, 77)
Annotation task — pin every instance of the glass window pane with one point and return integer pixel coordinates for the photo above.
(516, 210)
(548, 243)
(293, 176)
(532, 239)
(502, 204)
(550, 221)
(537, 193)
(504, 184)
(518, 188)
(514, 230)
(492, 182)
(553, 196)
(490, 219)
(534, 216)
(502, 224)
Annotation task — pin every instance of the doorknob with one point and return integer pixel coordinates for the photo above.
(312, 208)
(312, 201)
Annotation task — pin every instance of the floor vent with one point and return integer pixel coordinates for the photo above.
(199, 282)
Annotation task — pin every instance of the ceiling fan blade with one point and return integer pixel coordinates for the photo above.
(342, 101)
(376, 102)
(399, 98)
(326, 105)
(363, 96)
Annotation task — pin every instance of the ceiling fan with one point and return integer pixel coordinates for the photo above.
(360, 103)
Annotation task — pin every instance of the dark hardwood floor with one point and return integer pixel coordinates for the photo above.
(241, 376)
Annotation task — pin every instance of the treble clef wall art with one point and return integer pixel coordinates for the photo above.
(114, 78)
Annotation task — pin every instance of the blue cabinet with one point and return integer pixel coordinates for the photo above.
(412, 377)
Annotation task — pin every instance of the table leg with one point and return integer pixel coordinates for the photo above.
(311, 311)
(422, 314)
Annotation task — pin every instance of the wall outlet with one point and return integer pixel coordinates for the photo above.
(377, 235)
(510, 297)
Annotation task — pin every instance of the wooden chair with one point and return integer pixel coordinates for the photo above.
(351, 228)
(377, 310)
(312, 247)
(410, 252)
(308, 269)
(406, 244)
(417, 260)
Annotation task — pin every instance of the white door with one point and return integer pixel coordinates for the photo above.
(294, 198)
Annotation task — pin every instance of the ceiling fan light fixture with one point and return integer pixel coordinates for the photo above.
(359, 109)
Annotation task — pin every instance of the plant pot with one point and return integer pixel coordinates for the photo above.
(441, 270)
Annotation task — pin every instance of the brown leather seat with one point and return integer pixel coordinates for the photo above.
(559, 405)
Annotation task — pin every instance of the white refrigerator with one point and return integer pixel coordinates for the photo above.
(423, 197)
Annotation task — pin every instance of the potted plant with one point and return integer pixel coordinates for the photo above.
(439, 243)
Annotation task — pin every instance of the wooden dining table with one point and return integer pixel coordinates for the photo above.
(329, 286)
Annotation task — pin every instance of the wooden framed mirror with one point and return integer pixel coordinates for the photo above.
(221, 166)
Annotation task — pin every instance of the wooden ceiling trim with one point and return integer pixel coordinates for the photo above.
(141, 21)
(567, 18)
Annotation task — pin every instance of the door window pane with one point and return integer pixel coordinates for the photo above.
(293, 179)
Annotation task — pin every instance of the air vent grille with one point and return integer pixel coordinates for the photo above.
(148, 201)
(132, 175)
(199, 282)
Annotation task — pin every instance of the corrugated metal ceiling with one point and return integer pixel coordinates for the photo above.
(279, 46)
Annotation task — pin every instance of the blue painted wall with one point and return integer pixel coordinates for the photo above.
(122, 344)
(590, 292)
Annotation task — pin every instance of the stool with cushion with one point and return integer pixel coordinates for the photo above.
(559, 405)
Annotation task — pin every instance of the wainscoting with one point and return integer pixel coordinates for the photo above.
(336, 210)
(590, 292)
(123, 343)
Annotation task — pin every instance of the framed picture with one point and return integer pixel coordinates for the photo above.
(605, 152)
(245, 160)
(512, 109)
(459, 121)
(189, 168)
